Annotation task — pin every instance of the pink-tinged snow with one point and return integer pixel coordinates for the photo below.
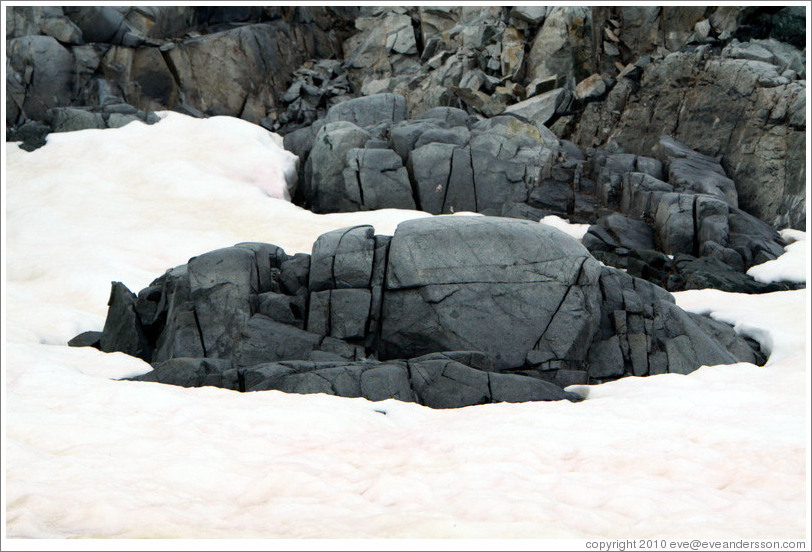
(719, 453)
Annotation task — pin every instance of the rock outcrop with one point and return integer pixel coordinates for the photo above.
(726, 81)
(449, 312)
(365, 154)
(199, 60)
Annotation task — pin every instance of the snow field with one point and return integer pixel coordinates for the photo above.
(721, 453)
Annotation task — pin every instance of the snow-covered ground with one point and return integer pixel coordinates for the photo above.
(720, 453)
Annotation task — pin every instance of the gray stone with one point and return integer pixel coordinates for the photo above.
(789, 25)
(369, 111)
(41, 20)
(529, 14)
(318, 316)
(540, 109)
(450, 116)
(430, 168)
(69, 119)
(563, 45)
(692, 171)
(605, 359)
(444, 383)
(282, 308)
(459, 136)
(122, 328)
(674, 223)
(593, 86)
(42, 70)
(222, 284)
(99, 23)
(264, 340)
(86, 339)
(371, 380)
(324, 190)
(380, 179)
(295, 274)
(349, 312)
(466, 283)
(688, 346)
(117, 120)
(342, 259)
(618, 231)
(732, 109)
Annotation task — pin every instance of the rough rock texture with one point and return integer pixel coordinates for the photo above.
(742, 106)
(199, 60)
(686, 213)
(447, 161)
(449, 312)
(726, 81)
(366, 155)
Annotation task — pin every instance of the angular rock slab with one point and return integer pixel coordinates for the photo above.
(521, 292)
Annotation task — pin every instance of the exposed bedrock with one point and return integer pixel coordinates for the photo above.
(727, 81)
(449, 312)
(365, 154)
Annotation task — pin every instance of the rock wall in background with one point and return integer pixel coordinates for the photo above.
(726, 81)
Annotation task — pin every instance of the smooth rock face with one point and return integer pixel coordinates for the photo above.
(449, 312)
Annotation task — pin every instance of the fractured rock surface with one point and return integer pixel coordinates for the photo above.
(449, 312)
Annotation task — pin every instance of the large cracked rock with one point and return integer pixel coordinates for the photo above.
(512, 289)
(449, 312)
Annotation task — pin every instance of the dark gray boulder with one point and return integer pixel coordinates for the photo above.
(342, 259)
(41, 20)
(86, 339)
(789, 25)
(222, 283)
(451, 116)
(642, 332)
(449, 312)
(430, 167)
(123, 330)
(618, 231)
(466, 283)
(39, 76)
(181, 335)
(369, 379)
(325, 190)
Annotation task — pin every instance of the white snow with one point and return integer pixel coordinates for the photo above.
(721, 453)
(577, 231)
(789, 267)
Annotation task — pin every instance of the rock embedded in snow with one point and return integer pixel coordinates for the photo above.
(448, 312)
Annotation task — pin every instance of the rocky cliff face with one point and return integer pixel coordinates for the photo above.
(726, 81)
